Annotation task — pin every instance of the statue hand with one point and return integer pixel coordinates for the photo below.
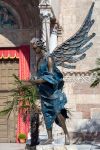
(33, 78)
(26, 83)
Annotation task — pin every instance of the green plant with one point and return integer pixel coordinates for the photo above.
(22, 136)
(96, 74)
(24, 98)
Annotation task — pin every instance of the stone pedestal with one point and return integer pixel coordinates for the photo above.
(63, 147)
(51, 147)
(67, 147)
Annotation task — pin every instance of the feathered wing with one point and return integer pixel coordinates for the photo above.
(73, 49)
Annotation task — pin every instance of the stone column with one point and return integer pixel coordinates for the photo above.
(47, 14)
(53, 39)
(46, 26)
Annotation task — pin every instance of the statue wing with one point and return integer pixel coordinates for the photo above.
(73, 49)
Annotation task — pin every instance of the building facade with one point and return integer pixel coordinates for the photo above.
(20, 21)
(82, 100)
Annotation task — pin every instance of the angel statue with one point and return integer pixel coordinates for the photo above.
(49, 78)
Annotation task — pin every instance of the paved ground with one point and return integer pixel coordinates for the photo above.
(14, 146)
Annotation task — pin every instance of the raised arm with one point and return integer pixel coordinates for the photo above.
(50, 65)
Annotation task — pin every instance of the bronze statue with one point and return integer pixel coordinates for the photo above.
(50, 79)
(50, 83)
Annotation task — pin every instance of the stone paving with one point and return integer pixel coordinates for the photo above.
(68, 147)
(14, 146)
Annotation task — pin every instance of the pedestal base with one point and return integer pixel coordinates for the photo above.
(51, 147)
(67, 147)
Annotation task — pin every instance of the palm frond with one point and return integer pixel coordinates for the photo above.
(95, 82)
(7, 102)
(24, 94)
(17, 80)
(96, 74)
(95, 70)
(98, 61)
(5, 111)
(24, 106)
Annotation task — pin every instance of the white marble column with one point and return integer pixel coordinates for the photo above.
(53, 39)
(46, 26)
(46, 15)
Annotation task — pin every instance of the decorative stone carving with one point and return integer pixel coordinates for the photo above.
(7, 20)
(78, 77)
(44, 2)
(46, 15)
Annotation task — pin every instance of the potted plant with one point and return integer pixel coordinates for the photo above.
(22, 138)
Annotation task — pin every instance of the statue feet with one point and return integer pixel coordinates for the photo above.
(67, 141)
(49, 141)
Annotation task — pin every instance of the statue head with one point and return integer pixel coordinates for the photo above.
(38, 43)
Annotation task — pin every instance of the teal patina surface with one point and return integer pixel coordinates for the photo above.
(52, 97)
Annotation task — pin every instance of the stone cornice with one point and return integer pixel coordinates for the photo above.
(78, 77)
(77, 73)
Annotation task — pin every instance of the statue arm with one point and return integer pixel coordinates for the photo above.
(31, 82)
(38, 81)
(50, 69)
(50, 65)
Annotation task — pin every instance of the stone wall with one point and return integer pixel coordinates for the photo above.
(83, 101)
(56, 7)
(26, 16)
(17, 37)
(72, 15)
